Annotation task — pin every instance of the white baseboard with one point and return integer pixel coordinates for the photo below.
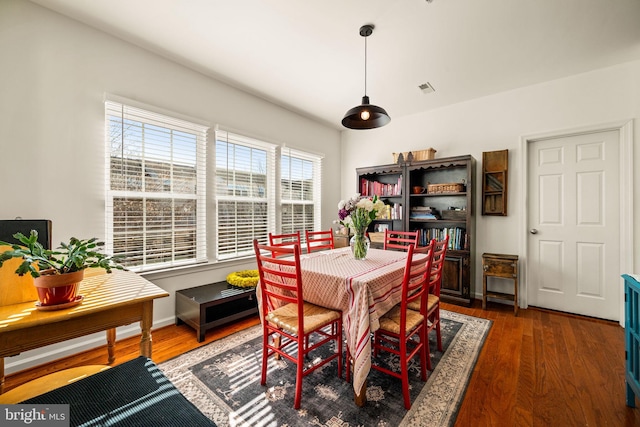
(57, 351)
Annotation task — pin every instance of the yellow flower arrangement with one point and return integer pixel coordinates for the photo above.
(244, 278)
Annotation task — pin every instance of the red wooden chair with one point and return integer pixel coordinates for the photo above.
(400, 239)
(432, 310)
(293, 328)
(284, 241)
(402, 331)
(319, 240)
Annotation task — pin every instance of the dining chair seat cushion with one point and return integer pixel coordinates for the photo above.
(391, 320)
(431, 302)
(286, 317)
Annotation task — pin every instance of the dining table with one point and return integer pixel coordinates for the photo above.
(363, 290)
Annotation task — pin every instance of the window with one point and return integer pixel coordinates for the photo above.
(156, 212)
(244, 193)
(300, 183)
(157, 206)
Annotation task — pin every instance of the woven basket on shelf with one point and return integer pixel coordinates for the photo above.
(427, 154)
(448, 187)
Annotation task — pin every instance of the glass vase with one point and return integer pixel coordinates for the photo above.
(359, 244)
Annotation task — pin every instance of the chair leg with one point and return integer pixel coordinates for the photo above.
(423, 355)
(338, 337)
(299, 373)
(265, 341)
(438, 334)
(404, 373)
(427, 346)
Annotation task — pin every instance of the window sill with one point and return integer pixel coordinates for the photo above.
(197, 268)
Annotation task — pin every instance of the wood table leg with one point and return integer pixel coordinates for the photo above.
(276, 343)
(360, 398)
(484, 291)
(1, 375)
(145, 326)
(111, 345)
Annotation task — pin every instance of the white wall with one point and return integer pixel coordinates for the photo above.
(499, 122)
(54, 74)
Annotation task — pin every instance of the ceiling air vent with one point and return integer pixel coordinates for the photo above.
(426, 88)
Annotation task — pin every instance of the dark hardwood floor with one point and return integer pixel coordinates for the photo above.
(541, 368)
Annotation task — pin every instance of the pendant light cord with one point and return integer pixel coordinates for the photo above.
(365, 66)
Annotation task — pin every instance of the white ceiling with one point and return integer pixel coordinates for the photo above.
(308, 56)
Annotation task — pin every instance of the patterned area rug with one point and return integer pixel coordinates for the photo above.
(223, 380)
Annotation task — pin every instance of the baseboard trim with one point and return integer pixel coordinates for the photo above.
(41, 356)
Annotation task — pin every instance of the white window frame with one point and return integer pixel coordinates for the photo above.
(244, 231)
(316, 201)
(132, 110)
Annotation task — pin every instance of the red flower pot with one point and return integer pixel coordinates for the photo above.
(56, 289)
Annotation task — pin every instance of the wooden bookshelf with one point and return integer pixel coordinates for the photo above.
(445, 185)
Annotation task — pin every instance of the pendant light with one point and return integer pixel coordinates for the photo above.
(366, 115)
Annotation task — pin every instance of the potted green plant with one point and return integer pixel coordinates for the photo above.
(57, 273)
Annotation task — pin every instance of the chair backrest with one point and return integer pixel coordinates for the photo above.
(437, 265)
(400, 239)
(284, 241)
(415, 283)
(15, 289)
(319, 240)
(280, 277)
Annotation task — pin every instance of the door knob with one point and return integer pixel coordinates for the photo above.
(533, 231)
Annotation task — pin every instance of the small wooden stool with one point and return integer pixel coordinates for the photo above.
(49, 382)
(500, 265)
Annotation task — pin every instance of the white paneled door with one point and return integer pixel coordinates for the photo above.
(574, 225)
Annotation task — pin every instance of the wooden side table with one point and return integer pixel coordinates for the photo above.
(500, 265)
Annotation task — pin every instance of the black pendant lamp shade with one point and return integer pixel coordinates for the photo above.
(366, 115)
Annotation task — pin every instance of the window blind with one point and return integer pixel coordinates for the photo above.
(156, 188)
(300, 183)
(244, 193)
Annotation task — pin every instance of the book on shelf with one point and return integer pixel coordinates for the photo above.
(380, 189)
(396, 211)
(385, 213)
(390, 212)
(423, 212)
(414, 215)
(458, 239)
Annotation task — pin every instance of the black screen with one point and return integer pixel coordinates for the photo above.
(9, 227)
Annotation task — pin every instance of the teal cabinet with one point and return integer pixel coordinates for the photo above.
(632, 337)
